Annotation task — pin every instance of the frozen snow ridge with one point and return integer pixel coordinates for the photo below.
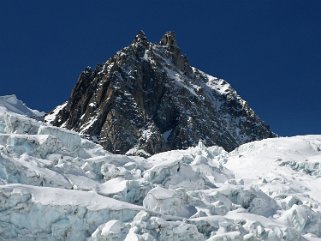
(11, 103)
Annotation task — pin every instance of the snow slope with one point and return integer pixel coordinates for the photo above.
(12, 104)
(54, 185)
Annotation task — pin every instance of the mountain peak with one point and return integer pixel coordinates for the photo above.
(169, 40)
(141, 38)
(148, 99)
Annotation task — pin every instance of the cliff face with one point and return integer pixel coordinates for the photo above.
(147, 99)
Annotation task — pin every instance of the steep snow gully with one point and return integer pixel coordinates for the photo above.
(54, 185)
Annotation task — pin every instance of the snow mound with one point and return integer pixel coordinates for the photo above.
(194, 168)
(12, 104)
(112, 230)
(149, 227)
(54, 185)
(170, 202)
(286, 165)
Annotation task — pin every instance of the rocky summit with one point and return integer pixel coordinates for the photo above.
(148, 99)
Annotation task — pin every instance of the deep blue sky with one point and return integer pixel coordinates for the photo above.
(269, 50)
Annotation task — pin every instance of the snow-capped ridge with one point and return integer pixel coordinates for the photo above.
(12, 104)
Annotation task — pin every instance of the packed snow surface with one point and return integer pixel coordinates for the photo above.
(54, 185)
(11, 103)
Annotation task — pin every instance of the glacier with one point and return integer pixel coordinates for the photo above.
(55, 185)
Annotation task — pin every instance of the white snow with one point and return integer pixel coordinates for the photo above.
(88, 124)
(179, 80)
(54, 185)
(92, 104)
(12, 104)
(170, 202)
(218, 85)
(52, 116)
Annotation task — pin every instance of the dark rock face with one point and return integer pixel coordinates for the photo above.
(147, 99)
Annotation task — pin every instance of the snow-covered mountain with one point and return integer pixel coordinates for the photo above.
(57, 186)
(11, 103)
(147, 99)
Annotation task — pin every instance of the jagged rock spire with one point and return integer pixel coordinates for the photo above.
(141, 38)
(179, 60)
(169, 40)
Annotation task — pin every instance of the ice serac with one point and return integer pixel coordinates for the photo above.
(147, 99)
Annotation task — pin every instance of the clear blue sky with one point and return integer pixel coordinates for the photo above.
(269, 50)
